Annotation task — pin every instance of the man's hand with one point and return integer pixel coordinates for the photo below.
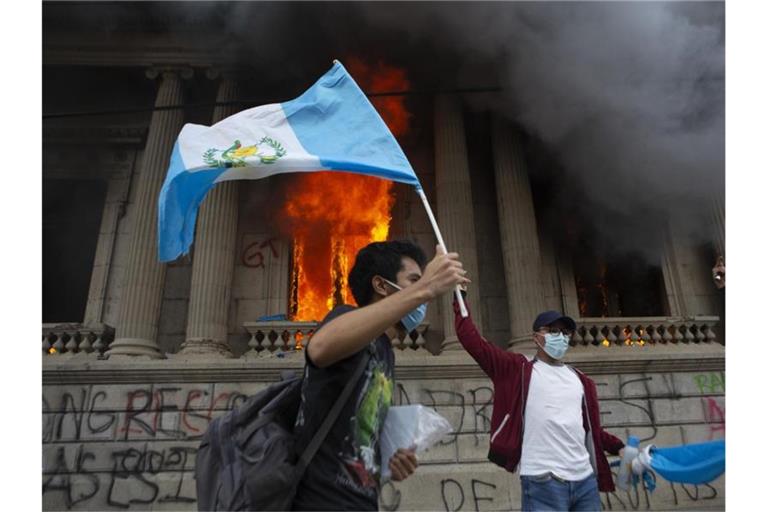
(718, 273)
(402, 464)
(443, 273)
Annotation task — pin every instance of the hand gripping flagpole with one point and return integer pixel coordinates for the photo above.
(440, 241)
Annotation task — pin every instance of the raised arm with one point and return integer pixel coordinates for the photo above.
(351, 332)
(490, 357)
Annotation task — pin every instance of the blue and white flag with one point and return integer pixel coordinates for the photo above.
(698, 463)
(331, 127)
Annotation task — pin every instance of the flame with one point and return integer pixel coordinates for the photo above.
(627, 336)
(603, 290)
(332, 215)
(382, 77)
(52, 350)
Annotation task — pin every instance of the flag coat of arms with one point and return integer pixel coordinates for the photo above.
(331, 127)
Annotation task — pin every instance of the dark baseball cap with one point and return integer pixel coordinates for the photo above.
(550, 317)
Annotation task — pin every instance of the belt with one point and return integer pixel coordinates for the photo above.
(554, 477)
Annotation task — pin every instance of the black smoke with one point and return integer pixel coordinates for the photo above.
(624, 99)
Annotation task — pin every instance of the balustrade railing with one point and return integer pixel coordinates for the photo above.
(277, 338)
(280, 338)
(76, 340)
(644, 331)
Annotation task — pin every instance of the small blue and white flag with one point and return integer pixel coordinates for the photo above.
(331, 127)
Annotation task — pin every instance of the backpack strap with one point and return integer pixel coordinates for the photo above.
(329, 420)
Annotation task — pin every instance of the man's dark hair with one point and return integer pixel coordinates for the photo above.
(383, 259)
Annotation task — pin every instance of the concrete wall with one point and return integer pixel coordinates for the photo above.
(132, 446)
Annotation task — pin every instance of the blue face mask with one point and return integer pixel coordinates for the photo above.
(413, 319)
(556, 345)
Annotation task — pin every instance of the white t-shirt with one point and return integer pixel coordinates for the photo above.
(554, 436)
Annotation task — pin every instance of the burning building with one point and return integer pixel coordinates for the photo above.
(159, 349)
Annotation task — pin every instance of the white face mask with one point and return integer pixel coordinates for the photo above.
(556, 345)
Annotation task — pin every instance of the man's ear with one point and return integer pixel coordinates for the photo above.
(379, 286)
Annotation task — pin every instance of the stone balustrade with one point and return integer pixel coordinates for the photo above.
(413, 342)
(76, 340)
(644, 331)
(273, 338)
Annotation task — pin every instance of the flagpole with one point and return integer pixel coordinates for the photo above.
(440, 241)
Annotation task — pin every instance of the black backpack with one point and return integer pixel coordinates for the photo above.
(247, 459)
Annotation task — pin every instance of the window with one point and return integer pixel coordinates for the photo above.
(618, 285)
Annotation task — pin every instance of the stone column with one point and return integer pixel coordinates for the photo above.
(454, 206)
(570, 297)
(519, 239)
(552, 290)
(117, 191)
(718, 221)
(214, 257)
(686, 268)
(142, 292)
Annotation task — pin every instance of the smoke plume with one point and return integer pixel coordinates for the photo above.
(626, 98)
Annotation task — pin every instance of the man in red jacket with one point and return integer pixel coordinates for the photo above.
(546, 418)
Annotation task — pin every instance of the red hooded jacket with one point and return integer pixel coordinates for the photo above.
(511, 377)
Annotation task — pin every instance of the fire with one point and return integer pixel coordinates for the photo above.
(384, 78)
(332, 215)
(52, 350)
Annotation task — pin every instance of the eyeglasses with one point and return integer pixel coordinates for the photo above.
(555, 330)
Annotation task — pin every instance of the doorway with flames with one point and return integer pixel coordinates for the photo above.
(330, 216)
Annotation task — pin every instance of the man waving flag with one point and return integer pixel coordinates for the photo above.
(331, 127)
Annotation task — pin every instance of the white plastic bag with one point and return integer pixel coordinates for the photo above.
(412, 427)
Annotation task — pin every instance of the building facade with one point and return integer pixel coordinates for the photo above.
(139, 356)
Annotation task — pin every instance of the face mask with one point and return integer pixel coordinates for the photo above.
(413, 319)
(555, 345)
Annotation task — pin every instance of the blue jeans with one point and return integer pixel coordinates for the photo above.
(547, 492)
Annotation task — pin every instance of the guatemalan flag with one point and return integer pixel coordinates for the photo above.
(331, 127)
(697, 463)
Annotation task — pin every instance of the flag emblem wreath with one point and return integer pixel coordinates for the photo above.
(266, 151)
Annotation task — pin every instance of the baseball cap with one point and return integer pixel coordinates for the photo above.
(550, 317)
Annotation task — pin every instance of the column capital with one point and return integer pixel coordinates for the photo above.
(183, 72)
(223, 72)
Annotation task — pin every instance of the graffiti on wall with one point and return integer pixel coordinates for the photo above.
(253, 253)
(120, 447)
(164, 412)
(130, 480)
